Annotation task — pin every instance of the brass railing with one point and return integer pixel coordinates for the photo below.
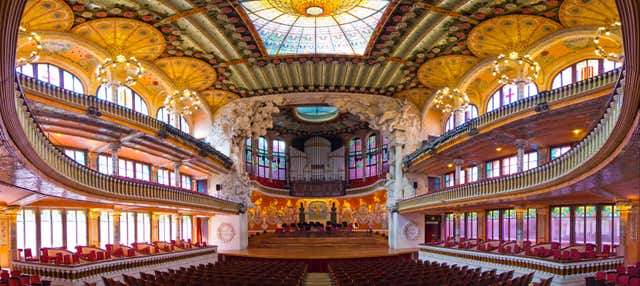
(91, 181)
(543, 175)
(536, 102)
(95, 105)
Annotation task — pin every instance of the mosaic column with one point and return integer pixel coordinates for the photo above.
(624, 209)
(12, 215)
(93, 227)
(115, 217)
(520, 224)
(520, 145)
(458, 168)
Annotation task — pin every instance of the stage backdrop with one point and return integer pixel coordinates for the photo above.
(270, 212)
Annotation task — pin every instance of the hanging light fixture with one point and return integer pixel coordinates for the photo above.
(119, 70)
(515, 68)
(449, 99)
(33, 39)
(606, 31)
(183, 102)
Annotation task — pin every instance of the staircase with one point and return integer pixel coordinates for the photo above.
(317, 279)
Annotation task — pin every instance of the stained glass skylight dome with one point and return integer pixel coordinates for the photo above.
(289, 27)
(316, 114)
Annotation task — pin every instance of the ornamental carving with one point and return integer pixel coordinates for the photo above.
(411, 231)
(226, 233)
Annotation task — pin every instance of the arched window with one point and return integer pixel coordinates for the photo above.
(583, 70)
(470, 112)
(372, 153)
(170, 119)
(124, 96)
(248, 156)
(53, 75)
(263, 158)
(356, 165)
(508, 94)
(279, 160)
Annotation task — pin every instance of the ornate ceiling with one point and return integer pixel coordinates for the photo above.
(241, 48)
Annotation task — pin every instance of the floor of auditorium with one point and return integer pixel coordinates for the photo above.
(313, 252)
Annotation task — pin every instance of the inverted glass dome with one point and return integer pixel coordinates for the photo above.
(316, 113)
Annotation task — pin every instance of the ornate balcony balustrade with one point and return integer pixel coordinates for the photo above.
(538, 102)
(551, 174)
(96, 106)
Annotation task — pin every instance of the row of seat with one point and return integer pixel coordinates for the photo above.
(622, 276)
(234, 273)
(16, 278)
(410, 272)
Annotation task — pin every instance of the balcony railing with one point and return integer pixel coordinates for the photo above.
(545, 175)
(536, 102)
(89, 181)
(94, 105)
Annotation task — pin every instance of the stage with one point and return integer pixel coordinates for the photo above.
(317, 258)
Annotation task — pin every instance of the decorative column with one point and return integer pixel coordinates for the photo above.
(115, 146)
(624, 208)
(457, 226)
(543, 155)
(482, 219)
(176, 174)
(481, 170)
(458, 116)
(153, 174)
(63, 216)
(155, 226)
(521, 86)
(456, 174)
(93, 227)
(115, 217)
(178, 227)
(92, 160)
(12, 215)
(520, 145)
(542, 232)
(520, 224)
(397, 162)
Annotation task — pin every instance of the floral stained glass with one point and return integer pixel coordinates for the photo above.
(284, 31)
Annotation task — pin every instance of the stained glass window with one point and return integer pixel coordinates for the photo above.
(356, 162)
(372, 156)
(449, 180)
(449, 226)
(77, 155)
(165, 232)
(493, 169)
(530, 224)
(559, 151)
(316, 113)
(561, 225)
(279, 160)
(54, 75)
(610, 225)
(127, 228)
(385, 154)
(334, 27)
(471, 225)
(143, 227)
(186, 227)
(26, 230)
(471, 174)
(76, 229)
(585, 224)
(124, 96)
(106, 229)
(248, 156)
(470, 112)
(493, 225)
(170, 119)
(583, 70)
(263, 158)
(508, 225)
(509, 94)
(51, 228)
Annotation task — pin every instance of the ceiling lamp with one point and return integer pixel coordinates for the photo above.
(515, 68)
(314, 8)
(448, 99)
(33, 40)
(183, 102)
(606, 31)
(119, 71)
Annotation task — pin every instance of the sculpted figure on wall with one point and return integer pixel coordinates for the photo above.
(236, 187)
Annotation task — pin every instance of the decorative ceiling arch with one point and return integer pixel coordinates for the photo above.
(575, 13)
(445, 71)
(509, 33)
(218, 98)
(47, 15)
(153, 86)
(188, 72)
(123, 36)
(418, 96)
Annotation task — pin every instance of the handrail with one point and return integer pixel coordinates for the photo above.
(115, 110)
(529, 103)
(97, 183)
(539, 177)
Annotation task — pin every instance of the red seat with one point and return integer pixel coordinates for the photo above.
(100, 255)
(15, 273)
(634, 281)
(4, 275)
(25, 280)
(28, 255)
(66, 259)
(622, 279)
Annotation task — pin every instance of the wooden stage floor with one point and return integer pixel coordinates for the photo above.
(318, 252)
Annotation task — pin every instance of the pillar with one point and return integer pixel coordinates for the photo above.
(624, 208)
(397, 165)
(63, 216)
(115, 217)
(153, 174)
(176, 174)
(93, 227)
(155, 226)
(520, 224)
(178, 227)
(481, 170)
(520, 145)
(458, 168)
(457, 226)
(12, 214)
(92, 160)
(542, 232)
(520, 89)
(632, 233)
(115, 146)
(458, 116)
(544, 155)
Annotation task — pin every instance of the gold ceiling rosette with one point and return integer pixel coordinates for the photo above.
(189, 76)
(314, 8)
(444, 73)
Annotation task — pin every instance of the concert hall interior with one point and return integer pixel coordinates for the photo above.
(320, 142)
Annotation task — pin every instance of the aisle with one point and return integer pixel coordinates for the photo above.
(317, 279)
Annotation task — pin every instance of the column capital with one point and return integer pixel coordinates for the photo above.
(177, 164)
(93, 213)
(458, 162)
(116, 145)
(12, 211)
(624, 206)
(521, 143)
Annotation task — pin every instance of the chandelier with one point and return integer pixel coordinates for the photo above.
(34, 54)
(314, 8)
(119, 71)
(606, 31)
(183, 102)
(449, 99)
(515, 68)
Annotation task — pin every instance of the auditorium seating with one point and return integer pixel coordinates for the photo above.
(411, 273)
(240, 273)
(16, 278)
(622, 276)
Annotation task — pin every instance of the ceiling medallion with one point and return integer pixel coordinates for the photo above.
(314, 8)
(515, 68)
(448, 99)
(183, 102)
(119, 71)
(32, 39)
(606, 31)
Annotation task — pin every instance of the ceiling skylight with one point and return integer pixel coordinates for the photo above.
(316, 113)
(289, 27)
